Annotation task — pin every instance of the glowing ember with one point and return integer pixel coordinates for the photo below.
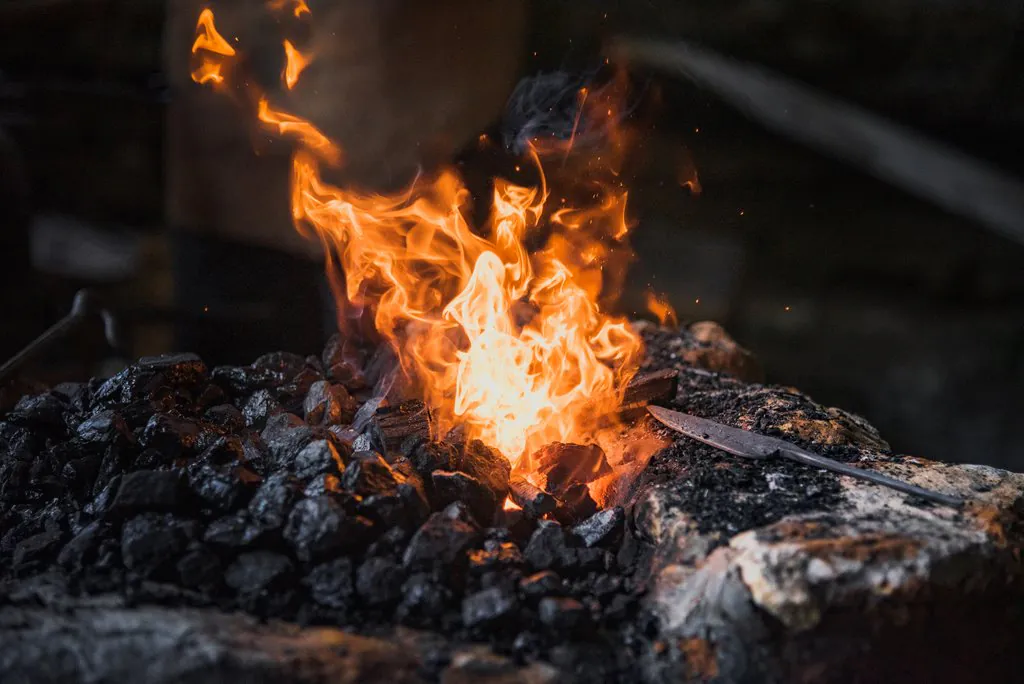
(662, 310)
(512, 345)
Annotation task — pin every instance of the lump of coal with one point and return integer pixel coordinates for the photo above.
(575, 504)
(103, 426)
(408, 419)
(424, 598)
(260, 407)
(285, 436)
(427, 457)
(316, 458)
(343, 362)
(549, 549)
(81, 550)
(320, 526)
(535, 502)
(449, 487)
(495, 556)
(488, 466)
(42, 412)
(199, 568)
(257, 572)
(323, 484)
(232, 531)
(602, 529)
(38, 548)
(328, 404)
(225, 416)
(226, 449)
(150, 541)
(488, 606)
(279, 367)
(541, 584)
(441, 540)
(148, 490)
(560, 465)
(178, 369)
(222, 488)
(367, 474)
(563, 615)
(330, 584)
(371, 439)
(273, 501)
(379, 582)
(170, 435)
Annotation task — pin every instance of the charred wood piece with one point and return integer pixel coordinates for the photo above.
(534, 501)
(410, 418)
(560, 465)
(649, 388)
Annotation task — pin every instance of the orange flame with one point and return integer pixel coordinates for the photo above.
(300, 6)
(511, 345)
(306, 133)
(662, 310)
(296, 63)
(209, 67)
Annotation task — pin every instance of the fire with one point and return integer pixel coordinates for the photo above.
(300, 6)
(211, 47)
(514, 346)
(662, 310)
(296, 63)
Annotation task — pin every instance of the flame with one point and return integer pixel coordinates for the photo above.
(514, 346)
(294, 66)
(211, 49)
(300, 6)
(662, 310)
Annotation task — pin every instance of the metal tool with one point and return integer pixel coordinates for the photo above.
(898, 155)
(85, 306)
(752, 445)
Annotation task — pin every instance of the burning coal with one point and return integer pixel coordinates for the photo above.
(514, 346)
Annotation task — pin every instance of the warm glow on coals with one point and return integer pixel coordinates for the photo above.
(511, 345)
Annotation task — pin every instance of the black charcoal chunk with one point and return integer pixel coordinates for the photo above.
(224, 450)
(80, 473)
(199, 568)
(330, 584)
(102, 501)
(103, 426)
(550, 548)
(258, 572)
(152, 540)
(260, 408)
(232, 531)
(424, 599)
(430, 456)
(371, 439)
(488, 606)
(222, 488)
(225, 416)
(285, 436)
(170, 435)
(324, 483)
(80, 552)
(449, 487)
(130, 385)
(316, 458)
(344, 362)
(273, 501)
(210, 396)
(328, 404)
(387, 510)
(76, 394)
(575, 505)
(284, 365)
(148, 490)
(541, 584)
(534, 501)
(318, 527)
(17, 442)
(494, 557)
(178, 369)
(562, 615)
(441, 540)
(367, 474)
(37, 549)
(602, 529)
(561, 465)
(488, 466)
(41, 412)
(379, 582)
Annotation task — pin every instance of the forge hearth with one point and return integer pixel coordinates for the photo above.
(176, 523)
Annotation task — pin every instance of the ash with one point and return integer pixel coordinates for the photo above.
(247, 488)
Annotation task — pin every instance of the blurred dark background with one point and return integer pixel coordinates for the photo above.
(851, 290)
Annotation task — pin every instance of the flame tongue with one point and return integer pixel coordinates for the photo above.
(512, 346)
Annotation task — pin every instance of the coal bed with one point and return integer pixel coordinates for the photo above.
(286, 521)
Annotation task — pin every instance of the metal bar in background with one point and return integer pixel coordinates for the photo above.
(898, 155)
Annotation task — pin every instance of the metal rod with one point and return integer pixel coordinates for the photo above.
(869, 476)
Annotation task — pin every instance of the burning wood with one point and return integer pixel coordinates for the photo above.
(408, 419)
(649, 388)
(534, 501)
(557, 466)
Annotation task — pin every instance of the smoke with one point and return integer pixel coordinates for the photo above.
(552, 106)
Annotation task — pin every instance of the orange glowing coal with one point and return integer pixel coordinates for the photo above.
(513, 345)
